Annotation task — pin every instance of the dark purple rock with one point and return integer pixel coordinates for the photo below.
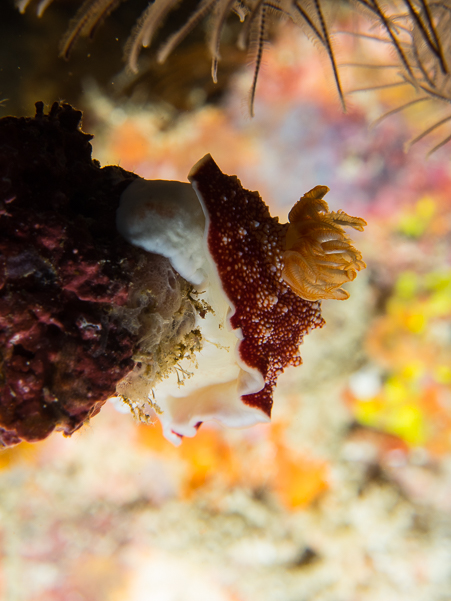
(64, 269)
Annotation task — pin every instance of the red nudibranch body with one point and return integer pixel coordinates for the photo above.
(259, 282)
(247, 246)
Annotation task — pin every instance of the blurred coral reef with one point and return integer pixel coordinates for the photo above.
(345, 496)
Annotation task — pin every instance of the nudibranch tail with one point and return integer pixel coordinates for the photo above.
(319, 256)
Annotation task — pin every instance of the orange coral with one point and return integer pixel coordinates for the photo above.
(319, 256)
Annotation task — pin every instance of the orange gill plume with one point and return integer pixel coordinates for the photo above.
(319, 256)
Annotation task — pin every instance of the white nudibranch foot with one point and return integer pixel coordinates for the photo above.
(218, 317)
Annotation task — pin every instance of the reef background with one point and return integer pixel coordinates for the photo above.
(346, 494)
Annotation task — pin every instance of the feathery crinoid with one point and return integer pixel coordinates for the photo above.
(310, 16)
(417, 30)
(89, 17)
(431, 53)
(43, 4)
(319, 256)
(420, 32)
(256, 16)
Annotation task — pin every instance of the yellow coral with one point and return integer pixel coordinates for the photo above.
(319, 256)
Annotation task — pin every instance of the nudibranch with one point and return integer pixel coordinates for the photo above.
(255, 290)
